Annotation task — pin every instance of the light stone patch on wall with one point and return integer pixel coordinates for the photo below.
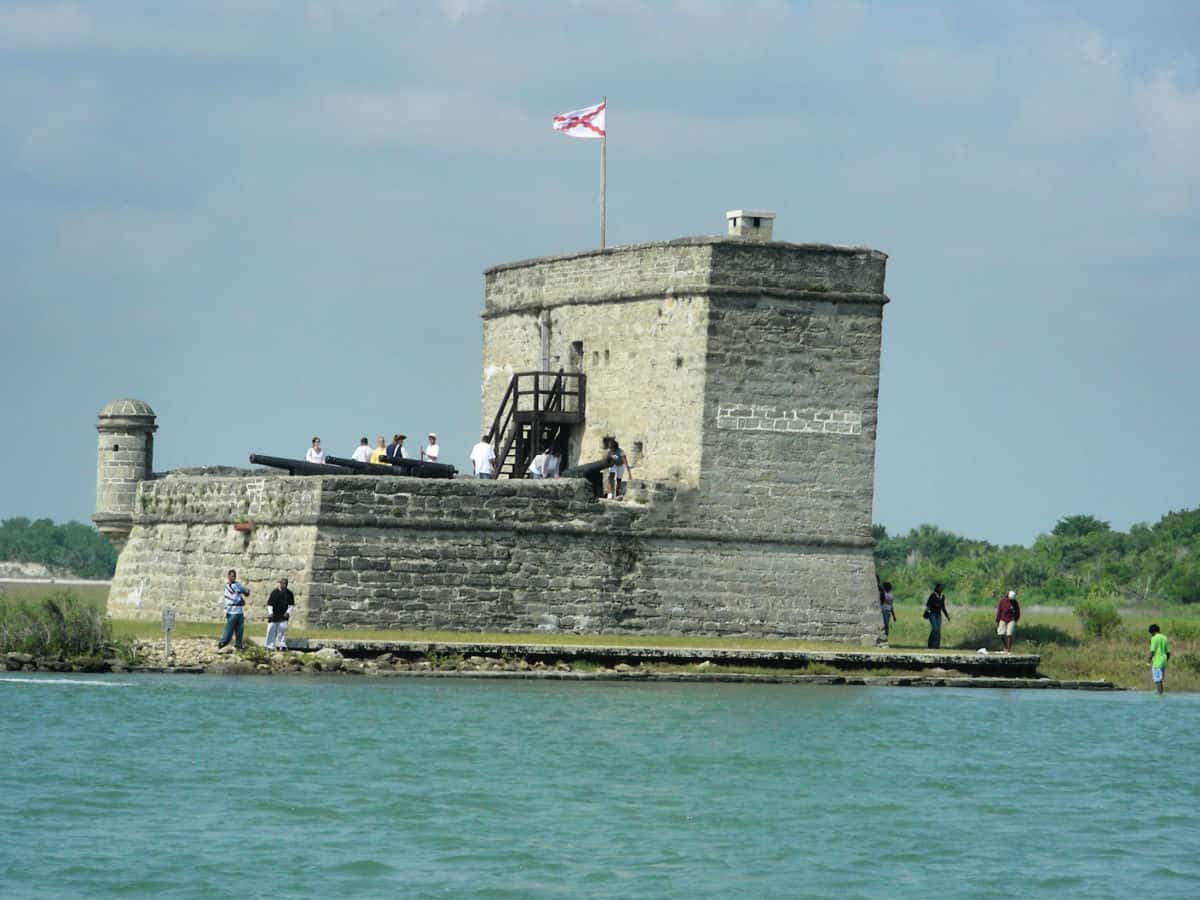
(778, 420)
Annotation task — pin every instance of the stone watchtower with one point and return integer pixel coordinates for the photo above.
(124, 457)
(741, 375)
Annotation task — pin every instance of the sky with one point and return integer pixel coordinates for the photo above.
(269, 219)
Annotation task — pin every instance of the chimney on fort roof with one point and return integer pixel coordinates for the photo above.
(755, 224)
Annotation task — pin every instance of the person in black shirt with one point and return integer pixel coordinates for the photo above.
(279, 611)
(935, 608)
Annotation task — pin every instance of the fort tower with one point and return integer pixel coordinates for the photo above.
(124, 457)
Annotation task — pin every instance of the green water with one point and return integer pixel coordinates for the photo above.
(208, 787)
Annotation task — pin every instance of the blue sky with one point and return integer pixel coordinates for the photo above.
(269, 220)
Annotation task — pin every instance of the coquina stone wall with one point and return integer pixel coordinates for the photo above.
(462, 554)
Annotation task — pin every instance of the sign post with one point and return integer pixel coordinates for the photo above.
(168, 625)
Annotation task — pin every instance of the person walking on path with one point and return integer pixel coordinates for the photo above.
(935, 608)
(315, 454)
(1008, 613)
(1158, 657)
(279, 613)
(483, 458)
(887, 606)
(234, 599)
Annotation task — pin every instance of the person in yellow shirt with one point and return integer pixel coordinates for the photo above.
(1158, 657)
(379, 454)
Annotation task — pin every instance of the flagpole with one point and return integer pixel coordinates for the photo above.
(603, 173)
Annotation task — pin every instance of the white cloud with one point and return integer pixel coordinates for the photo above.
(1170, 117)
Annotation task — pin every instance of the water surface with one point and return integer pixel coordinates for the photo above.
(221, 787)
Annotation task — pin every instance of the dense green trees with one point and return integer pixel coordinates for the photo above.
(1081, 558)
(71, 548)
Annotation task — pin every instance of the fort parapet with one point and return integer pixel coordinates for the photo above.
(741, 376)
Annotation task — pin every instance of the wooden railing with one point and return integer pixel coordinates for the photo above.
(533, 402)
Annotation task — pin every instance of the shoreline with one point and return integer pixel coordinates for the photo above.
(575, 663)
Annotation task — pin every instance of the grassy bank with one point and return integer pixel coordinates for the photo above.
(96, 594)
(1056, 635)
(1067, 653)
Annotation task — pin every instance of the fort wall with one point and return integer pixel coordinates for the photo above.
(466, 555)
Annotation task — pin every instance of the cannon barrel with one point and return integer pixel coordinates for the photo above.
(297, 466)
(593, 472)
(585, 470)
(410, 467)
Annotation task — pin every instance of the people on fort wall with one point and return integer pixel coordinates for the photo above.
(619, 470)
(935, 611)
(234, 603)
(315, 454)
(379, 454)
(483, 459)
(545, 465)
(431, 451)
(396, 449)
(279, 612)
(362, 453)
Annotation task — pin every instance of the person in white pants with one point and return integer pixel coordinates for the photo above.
(279, 611)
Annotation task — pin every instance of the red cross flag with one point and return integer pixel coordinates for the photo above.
(582, 123)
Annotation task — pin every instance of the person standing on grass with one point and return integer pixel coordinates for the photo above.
(1158, 657)
(1008, 613)
(234, 599)
(935, 608)
(279, 613)
(887, 606)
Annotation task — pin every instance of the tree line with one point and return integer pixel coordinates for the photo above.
(1082, 558)
(71, 548)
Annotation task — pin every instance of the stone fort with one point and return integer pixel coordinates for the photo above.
(739, 373)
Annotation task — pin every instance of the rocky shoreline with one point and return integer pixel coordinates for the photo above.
(200, 656)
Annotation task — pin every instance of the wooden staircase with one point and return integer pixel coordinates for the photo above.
(538, 411)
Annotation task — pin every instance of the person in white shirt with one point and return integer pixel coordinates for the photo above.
(430, 452)
(552, 465)
(315, 454)
(483, 458)
(363, 452)
(537, 468)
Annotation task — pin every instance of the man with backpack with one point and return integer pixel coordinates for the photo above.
(1008, 613)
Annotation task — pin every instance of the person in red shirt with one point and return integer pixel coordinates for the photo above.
(1008, 613)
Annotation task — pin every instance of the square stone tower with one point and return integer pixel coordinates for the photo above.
(740, 373)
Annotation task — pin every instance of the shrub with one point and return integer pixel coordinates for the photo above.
(1099, 618)
(61, 624)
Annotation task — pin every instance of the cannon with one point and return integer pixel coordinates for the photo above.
(297, 466)
(411, 467)
(593, 472)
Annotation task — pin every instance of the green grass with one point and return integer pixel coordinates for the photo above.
(94, 593)
(1057, 636)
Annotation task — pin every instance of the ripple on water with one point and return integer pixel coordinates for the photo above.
(213, 787)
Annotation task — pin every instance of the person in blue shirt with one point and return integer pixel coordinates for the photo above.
(234, 599)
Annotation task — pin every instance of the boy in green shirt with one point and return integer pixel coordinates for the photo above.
(1158, 657)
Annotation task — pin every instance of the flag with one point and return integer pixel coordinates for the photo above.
(582, 123)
